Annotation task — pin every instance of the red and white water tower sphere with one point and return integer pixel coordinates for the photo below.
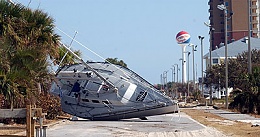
(183, 39)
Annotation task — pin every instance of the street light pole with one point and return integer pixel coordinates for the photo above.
(224, 8)
(188, 74)
(193, 62)
(165, 79)
(173, 72)
(210, 62)
(182, 70)
(249, 39)
(202, 78)
(172, 77)
(177, 72)
(211, 29)
(161, 82)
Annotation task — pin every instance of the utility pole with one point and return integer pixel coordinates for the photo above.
(224, 8)
(202, 77)
(211, 30)
(249, 39)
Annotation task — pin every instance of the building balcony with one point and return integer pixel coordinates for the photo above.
(253, 7)
(254, 14)
(255, 31)
(255, 21)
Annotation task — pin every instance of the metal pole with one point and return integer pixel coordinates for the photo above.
(211, 29)
(165, 80)
(210, 62)
(188, 74)
(182, 70)
(226, 59)
(161, 83)
(202, 78)
(172, 78)
(224, 8)
(174, 72)
(249, 39)
(193, 67)
(177, 72)
(69, 48)
(184, 65)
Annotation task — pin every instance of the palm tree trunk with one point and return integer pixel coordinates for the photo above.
(39, 87)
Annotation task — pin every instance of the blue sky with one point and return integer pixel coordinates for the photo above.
(139, 32)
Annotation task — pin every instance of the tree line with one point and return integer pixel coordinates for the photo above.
(246, 94)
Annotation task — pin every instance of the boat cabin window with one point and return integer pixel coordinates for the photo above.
(93, 86)
(141, 96)
(95, 101)
(85, 100)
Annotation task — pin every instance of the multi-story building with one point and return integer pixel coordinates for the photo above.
(237, 24)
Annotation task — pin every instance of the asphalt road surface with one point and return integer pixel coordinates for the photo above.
(180, 125)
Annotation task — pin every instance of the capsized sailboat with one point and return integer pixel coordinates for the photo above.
(104, 91)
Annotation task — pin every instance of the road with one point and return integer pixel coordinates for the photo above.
(156, 126)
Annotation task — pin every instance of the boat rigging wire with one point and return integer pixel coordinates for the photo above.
(81, 44)
(69, 48)
(91, 51)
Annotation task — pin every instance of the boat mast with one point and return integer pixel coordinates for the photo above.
(69, 48)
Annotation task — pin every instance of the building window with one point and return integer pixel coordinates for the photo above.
(226, 3)
(215, 61)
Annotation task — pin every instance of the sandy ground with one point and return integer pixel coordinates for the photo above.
(213, 126)
(230, 128)
(13, 129)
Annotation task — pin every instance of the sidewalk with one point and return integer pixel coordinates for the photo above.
(168, 125)
(232, 115)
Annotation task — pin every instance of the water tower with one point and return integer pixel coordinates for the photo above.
(183, 39)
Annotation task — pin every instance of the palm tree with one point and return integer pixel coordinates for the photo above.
(66, 57)
(27, 39)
